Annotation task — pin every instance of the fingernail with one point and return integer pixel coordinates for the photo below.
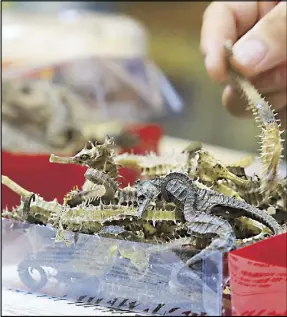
(249, 53)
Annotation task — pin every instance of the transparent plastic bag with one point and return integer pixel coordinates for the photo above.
(90, 69)
(122, 274)
(129, 90)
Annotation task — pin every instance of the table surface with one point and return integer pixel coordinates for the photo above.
(18, 303)
(26, 304)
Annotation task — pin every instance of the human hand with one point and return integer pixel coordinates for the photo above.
(258, 30)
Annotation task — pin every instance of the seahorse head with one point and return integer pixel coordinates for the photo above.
(91, 157)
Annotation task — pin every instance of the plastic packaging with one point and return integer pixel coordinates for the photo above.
(101, 57)
(74, 78)
(116, 273)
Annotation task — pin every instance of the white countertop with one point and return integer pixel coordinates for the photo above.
(17, 303)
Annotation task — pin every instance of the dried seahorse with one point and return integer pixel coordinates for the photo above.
(151, 164)
(33, 208)
(126, 197)
(194, 160)
(99, 157)
(265, 116)
(102, 173)
(211, 169)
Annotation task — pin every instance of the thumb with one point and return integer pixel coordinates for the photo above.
(264, 46)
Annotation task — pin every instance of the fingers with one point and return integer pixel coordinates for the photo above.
(264, 7)
(272, 84)
(229, 20)
(236, 105)
(260, 53)
(264, 46)
(272, 80)
(223, 21)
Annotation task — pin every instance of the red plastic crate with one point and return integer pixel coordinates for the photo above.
(258, 278)
(35, 173)
(149, 137)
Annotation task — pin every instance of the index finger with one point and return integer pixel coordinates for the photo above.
(225, 21)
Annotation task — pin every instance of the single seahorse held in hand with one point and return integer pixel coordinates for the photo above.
(265, 116)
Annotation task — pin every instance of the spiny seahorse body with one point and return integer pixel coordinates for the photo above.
(92, 219)
(39, 211)
(152, 165)
(179, 187)
(265, 116)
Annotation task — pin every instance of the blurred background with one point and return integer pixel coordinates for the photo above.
(173, 35)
